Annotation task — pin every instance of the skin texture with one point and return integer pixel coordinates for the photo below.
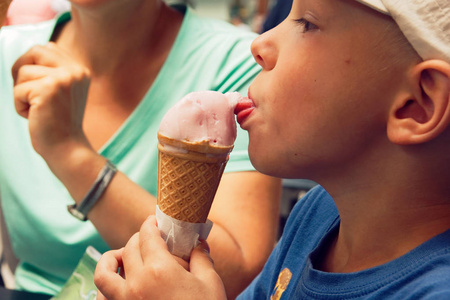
(4, 4)
(80, 76)
(343, 100)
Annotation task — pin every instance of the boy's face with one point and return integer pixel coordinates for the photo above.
(322, 97)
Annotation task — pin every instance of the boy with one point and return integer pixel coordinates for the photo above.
(345, 100)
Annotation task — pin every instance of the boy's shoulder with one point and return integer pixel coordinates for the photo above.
(316, 202)
(423, 273)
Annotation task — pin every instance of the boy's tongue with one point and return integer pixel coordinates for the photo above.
(203, 116)
(243, 109)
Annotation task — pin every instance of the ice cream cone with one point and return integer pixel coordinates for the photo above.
(188, 177)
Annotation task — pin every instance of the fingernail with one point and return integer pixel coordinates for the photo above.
(205, 246)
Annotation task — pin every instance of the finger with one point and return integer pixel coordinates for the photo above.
(132, 260)
(58, 53)
(47, 87)
(106, 278)
(49, 55)
(201, 262)
(154, 249)
(182, 262)
(152, 245)
(32, 72)
(31, 57)
(28, 93)
(22, 97)
(202, 267)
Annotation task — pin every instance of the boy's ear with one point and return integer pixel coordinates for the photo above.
(423, 112)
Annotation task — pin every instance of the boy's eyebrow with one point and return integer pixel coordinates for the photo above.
(316, 8)
(323, 10)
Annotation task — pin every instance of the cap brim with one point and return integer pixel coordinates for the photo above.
(375, 4)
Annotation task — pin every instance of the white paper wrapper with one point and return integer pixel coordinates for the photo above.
(181, 237)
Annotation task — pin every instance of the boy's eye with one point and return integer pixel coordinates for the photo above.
(307, 26)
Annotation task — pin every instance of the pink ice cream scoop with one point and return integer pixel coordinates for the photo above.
(202, 116)
(195, 138)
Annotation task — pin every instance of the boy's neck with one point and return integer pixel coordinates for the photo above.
(379, 226)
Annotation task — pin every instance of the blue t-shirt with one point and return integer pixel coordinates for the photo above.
(423, 273)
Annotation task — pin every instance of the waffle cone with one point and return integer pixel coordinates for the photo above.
(188, 177)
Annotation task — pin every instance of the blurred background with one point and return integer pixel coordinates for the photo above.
(248, 14)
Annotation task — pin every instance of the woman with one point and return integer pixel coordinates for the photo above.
(131, 60)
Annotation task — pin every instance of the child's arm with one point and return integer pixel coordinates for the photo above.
(151, 272)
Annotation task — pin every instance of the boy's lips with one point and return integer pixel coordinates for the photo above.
(243, 109)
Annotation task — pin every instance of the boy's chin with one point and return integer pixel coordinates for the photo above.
(265, 165)
(274, 166)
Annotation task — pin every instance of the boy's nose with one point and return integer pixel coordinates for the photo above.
(264, 50)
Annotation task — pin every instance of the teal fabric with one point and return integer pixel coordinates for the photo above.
(207, 55)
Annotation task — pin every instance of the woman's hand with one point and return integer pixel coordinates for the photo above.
(50, 89)
(149, 271)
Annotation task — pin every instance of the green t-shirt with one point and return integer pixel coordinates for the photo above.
(207, 55)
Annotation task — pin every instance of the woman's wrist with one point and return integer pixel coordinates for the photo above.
(76, 165)
(94, 194)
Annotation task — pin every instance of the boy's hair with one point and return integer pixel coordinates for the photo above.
(403, 52)
(425, 24)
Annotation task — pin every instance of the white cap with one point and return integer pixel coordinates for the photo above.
(425, 23)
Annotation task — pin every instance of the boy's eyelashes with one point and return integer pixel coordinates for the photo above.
(307, 25)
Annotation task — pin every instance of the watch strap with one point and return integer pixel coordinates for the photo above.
(96, 191)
